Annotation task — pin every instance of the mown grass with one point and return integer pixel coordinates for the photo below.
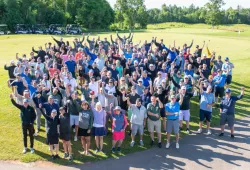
(235, 47)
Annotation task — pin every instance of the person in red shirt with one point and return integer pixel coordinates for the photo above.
(53, 70)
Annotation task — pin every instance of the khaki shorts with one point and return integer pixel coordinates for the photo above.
(154, 125)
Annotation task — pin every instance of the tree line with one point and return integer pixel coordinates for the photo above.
(126, 14)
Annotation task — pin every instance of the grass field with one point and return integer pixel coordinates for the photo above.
(224, 42)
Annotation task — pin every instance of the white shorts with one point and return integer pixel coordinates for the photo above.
(184, 115)
(74, 120)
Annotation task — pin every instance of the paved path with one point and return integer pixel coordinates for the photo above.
(196, 152)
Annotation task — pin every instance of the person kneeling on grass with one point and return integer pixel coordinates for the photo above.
(52, 131)
(28, 116)
(98, 130)
(85, 125)
(65, 133)
(227, 110)
(172, 112)
(119, 124)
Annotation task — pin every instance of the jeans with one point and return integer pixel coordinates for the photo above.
(30, 128)
(38, 118)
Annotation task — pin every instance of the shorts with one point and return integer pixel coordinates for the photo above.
(184, 115)
(173, 124)
(154, 125)
(98, 131)
(229, 119)
(135, 128)
(205, 114)
(118, 135)
(65, 136)
(52, 139)
(74, 120)
(162, 112)
(229, 79)
(219, 91)
(83, 132)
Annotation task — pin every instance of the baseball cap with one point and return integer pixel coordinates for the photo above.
(117, 108)
(91, 70)
(18, 62)
(173, 97)
(183, 88)
(140, 80)
(210, 77)
(92, 92)
(12, 62)
(133, 87)
(228, 90)
(186, 76)
(92, 77)
(19, 74)
(25, 100)
(226, 59)
(151, 65)
(53, 111)
(110, 81)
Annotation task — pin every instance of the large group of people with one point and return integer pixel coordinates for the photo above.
(98, 88)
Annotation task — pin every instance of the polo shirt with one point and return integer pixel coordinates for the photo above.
(222, 80)
(206, 98)
(189, 72)
(155, 110)
(172, 108)
(228, 104)
(71, 65)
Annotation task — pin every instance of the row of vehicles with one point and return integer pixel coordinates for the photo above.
(56, 29)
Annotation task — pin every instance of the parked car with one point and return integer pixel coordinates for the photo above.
(57, 29)
(23, 29)
(4, 29)
(39, 29)
(73, 29)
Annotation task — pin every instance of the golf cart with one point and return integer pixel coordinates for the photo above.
(4, 29)
(22, 29)
(57, 29)
(73, 29)
(39, 29)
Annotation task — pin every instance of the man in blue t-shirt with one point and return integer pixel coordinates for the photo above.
(206, 103)
(227, 110)
(172, 111)
(219, 81)
(71, 65)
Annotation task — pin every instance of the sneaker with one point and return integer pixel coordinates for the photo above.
(70, 158)
(141, 143)
(89, 154)
(167, 145)
(152, 143)
(132, 143)
(32, 150)
(232, 136)
(35, 134)
(221, 134)
(74, 130)
(97, 150)
(75, 138)
(159, 145)
(53, 157)
(177, 146)
(113, 150)
(65, 155)
(57, 156)
(188, 131)
(209, 132)
(24, 150)
(118, 149)
(199, 131)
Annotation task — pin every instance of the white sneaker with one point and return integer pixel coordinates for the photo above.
(199, 131)
(32, 150)
(75, 138)
(74, 130)
(209, 132)
(24, 150)
(35, 134)
(167, 145)
(177, 146)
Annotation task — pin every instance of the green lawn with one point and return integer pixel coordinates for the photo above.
(225, 43)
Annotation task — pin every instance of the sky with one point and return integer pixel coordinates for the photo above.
(157, 3)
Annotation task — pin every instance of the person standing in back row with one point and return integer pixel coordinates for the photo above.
(227, 110)
(28, 116)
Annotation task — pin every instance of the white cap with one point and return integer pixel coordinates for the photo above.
(12, 62)
(183, 88)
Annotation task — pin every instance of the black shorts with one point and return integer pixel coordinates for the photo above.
(65, 136)
(205, 114)
(83, 132)
(52, 139)
(219, 91)
(162, 112)
(229, 79)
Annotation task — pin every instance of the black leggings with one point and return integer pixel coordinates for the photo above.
(29, 128)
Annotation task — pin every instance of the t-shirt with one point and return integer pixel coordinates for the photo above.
(172, 108)
(228, 104)
(189, 72)
(222, 80)
(133, 97)
(186, 101)
(71, 65)
(138, 114)
(155, 110)
(206, 98)
(20, 86)
(226, 66)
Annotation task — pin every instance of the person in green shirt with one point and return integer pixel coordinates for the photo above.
(154, 121)
(119, 68)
